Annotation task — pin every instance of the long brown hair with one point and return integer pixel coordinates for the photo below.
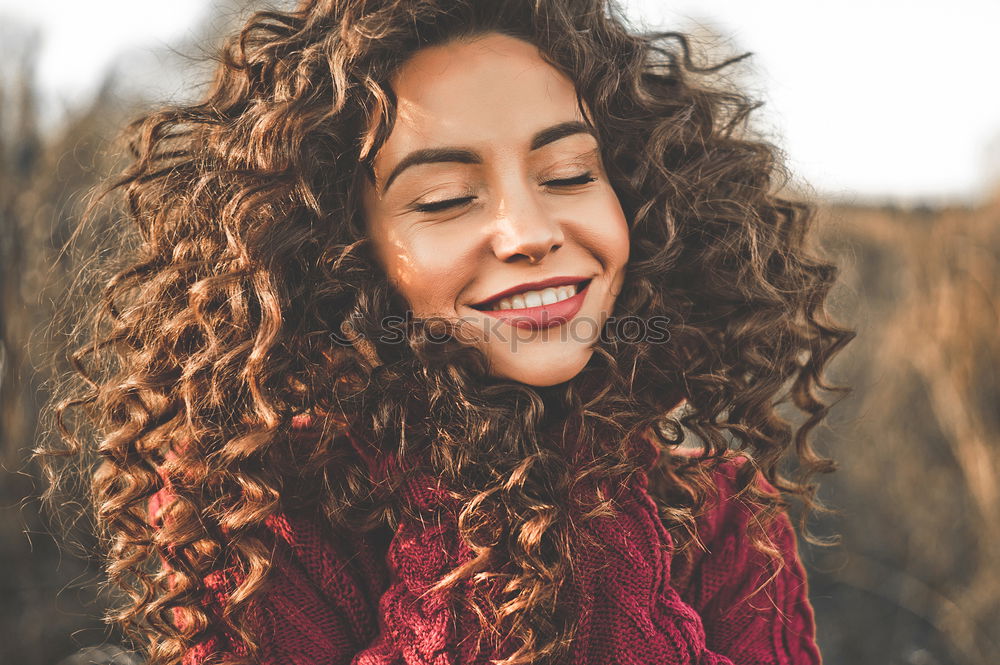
(221, 323)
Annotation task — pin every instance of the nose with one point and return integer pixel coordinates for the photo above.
(524, 228)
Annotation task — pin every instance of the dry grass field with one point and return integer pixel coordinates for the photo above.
(915, 580)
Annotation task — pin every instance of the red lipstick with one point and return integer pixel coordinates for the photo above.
(543, 316)
(530, 286)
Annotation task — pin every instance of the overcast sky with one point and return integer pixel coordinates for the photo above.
(870, 99)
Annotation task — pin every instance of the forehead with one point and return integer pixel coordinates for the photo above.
(490, 92)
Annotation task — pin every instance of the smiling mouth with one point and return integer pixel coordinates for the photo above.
(533, 298)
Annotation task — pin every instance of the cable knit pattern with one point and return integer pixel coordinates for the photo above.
(777, 625)
(339, 601)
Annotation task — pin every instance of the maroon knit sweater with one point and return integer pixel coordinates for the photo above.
(345, 599)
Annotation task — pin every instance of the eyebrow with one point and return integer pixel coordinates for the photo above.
(466, 156)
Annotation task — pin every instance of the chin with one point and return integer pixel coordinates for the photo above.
(542, 373)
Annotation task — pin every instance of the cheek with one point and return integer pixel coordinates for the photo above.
(608, 233)
(619, 240)
(429, 269)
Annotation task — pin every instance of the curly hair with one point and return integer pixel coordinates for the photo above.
(218, 327)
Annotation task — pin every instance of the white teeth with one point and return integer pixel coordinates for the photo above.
(536, 298)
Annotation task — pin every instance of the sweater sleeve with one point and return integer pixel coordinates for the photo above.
(775, 625)
(319, 603)
(318, 606)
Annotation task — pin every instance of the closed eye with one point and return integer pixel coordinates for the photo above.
(581, 179)
(438, 206)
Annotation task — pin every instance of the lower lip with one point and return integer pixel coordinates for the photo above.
(544, 316)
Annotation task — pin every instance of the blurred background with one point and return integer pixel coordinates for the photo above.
(890, 118)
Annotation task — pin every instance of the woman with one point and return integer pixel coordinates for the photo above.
(393, 372)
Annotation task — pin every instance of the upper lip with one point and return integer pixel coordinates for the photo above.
(531, 286)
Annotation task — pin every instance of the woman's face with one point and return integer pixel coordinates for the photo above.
(491, 206)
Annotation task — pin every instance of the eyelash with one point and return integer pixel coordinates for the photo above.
(438, 206)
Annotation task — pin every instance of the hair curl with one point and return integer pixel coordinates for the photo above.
(250, 252)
